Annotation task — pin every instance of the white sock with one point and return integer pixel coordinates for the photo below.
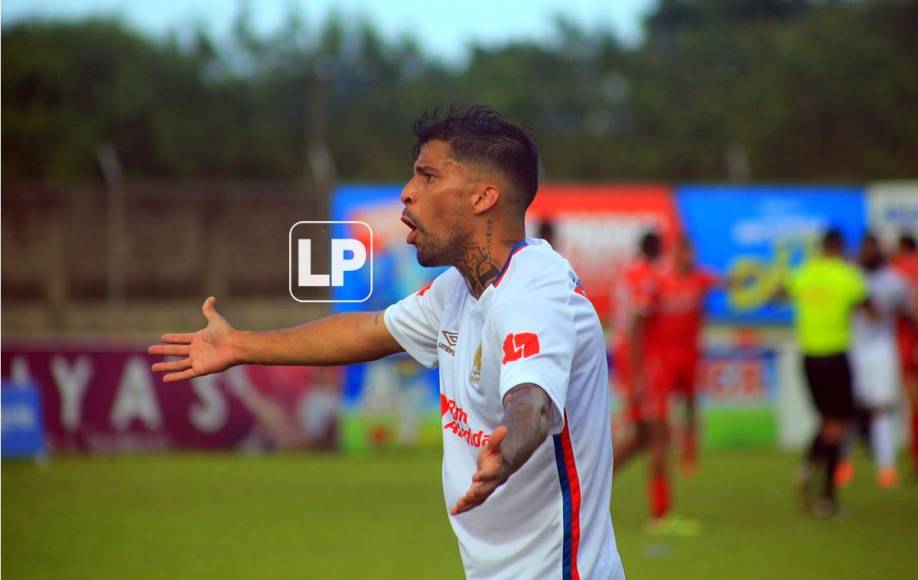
(883, 439)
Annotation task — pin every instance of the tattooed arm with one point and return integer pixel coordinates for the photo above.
(334, 340)
(525, 427)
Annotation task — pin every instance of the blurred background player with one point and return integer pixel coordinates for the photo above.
(874, 360)
(825, 291)
(633, 293)
(547, 232)
(683, 289)
(906, 263)
(639, 360)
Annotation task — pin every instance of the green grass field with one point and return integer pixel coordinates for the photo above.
(309, 516)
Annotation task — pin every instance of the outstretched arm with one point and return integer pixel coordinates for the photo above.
(334, 340)
(524, 428)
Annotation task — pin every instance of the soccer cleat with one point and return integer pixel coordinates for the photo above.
(844, 473)
(888, 477)
(672, 526)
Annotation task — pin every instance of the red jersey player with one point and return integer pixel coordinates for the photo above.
(643, 374)
(636, 296)
(683, 289)
(906, 263)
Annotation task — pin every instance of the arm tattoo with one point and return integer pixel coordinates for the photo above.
(526, 409)
(376, 318)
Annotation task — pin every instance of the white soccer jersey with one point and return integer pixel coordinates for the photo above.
(532, 325)
(874, 349)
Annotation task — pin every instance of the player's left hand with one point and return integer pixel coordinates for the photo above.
(490, 474)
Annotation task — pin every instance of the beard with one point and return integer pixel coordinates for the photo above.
(439, 250)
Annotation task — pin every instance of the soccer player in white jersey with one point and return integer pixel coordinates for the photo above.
(527, 459)
(875, 359)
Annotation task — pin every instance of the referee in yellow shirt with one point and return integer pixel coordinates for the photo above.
(824, 292)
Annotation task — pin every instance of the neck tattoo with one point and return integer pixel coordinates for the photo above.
(477, 264)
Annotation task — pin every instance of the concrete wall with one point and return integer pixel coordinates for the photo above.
(90, 261)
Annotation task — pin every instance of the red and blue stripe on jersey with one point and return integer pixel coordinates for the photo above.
(570, 494)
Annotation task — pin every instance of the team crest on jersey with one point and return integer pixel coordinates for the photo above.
(475, 375)
(451, 339)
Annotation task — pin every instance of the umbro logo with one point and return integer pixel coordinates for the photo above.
(451, 339)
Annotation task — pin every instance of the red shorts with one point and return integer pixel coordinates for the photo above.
(681, 370)
(654, 402)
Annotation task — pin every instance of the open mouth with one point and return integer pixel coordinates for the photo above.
(413, 233)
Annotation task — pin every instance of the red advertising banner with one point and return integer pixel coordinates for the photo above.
(104, 398)
(597, 228)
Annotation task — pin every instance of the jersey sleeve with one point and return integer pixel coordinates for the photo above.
(535, 333)
(414, 321)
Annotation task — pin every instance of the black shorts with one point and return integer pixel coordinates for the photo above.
(829, 379)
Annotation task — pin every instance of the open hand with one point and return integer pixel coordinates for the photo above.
(490, 474)
(206, 351)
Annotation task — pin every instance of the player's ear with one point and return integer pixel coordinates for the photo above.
(484, 198)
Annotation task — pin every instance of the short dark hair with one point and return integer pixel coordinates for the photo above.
(907, 242)
(651, 245)
(833, 239)
(482, 135)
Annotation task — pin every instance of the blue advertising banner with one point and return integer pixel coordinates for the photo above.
(892, 210)
(23, 429)
(393, 400)
(396, 271)
(757, 234)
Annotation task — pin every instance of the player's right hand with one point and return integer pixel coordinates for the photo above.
(489, 476)
(206, 351)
